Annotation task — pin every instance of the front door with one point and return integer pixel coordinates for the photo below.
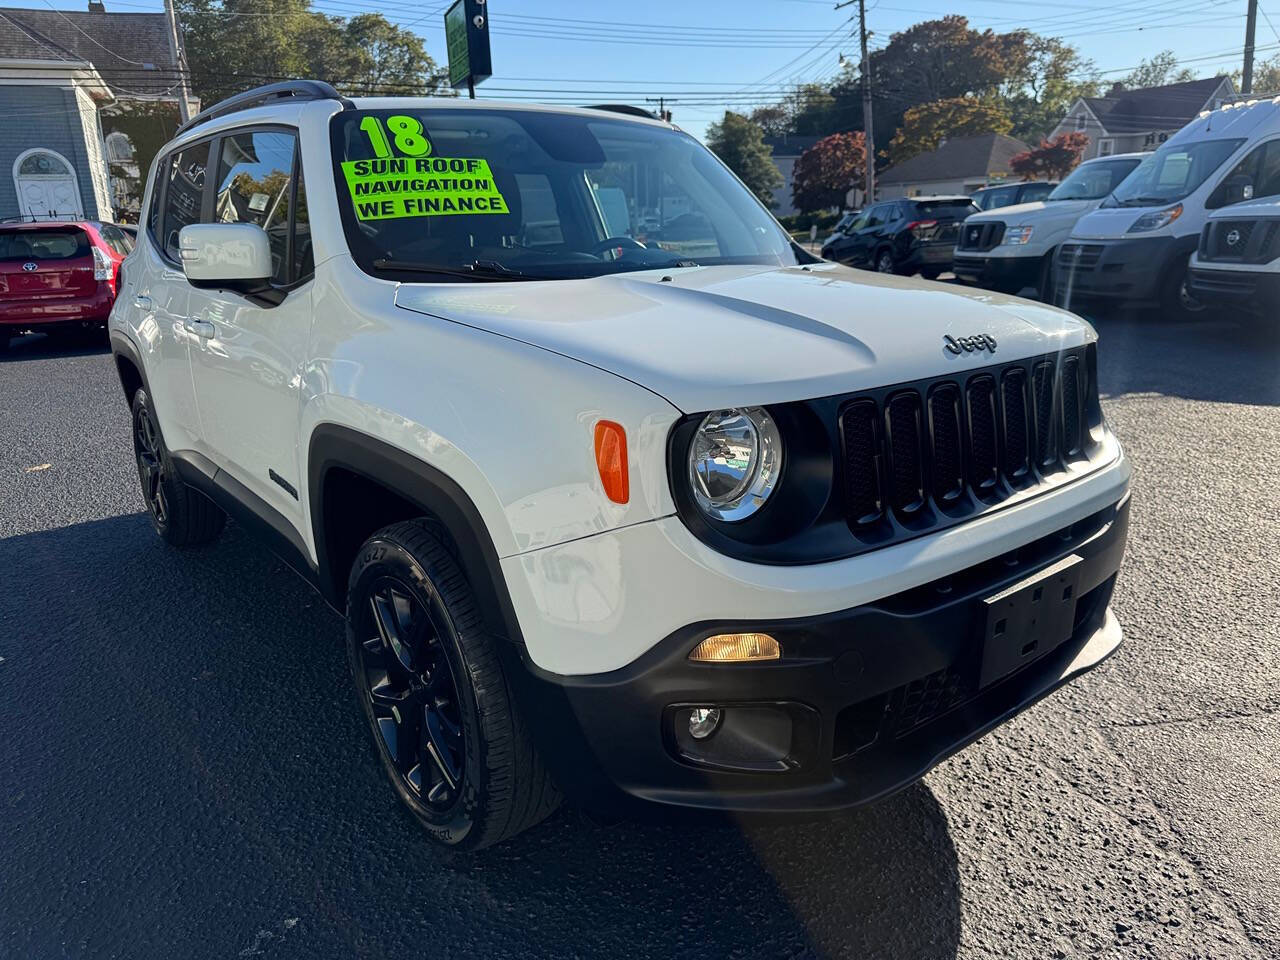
(246, 356)
(47, 188)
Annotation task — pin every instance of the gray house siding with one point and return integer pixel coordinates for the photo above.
(54, 123)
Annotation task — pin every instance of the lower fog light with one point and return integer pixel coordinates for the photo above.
(703, 722)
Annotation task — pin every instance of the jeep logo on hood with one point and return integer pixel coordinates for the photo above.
(980, 342)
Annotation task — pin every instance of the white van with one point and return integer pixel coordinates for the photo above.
(1137, 246)
(1010, 248)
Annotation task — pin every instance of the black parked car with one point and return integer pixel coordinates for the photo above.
(1009, 194)
(904, 236)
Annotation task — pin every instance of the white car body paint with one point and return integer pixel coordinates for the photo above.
(499, 386)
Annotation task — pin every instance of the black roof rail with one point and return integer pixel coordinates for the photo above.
(259, 96)
(624, 108)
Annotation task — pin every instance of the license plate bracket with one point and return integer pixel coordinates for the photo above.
(1029, 619)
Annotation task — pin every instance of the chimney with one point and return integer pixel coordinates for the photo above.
(1116, 90)
(97, 6)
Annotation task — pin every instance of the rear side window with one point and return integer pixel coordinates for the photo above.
(946, 209)
(999, 197)
(115, 238)
(184, 174)
(61, 244)
(1036, 191)
(255, 174)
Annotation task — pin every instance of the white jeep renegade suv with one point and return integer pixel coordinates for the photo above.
(623, 495)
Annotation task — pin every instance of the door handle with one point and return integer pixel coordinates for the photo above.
(201, 328)
(142, 303)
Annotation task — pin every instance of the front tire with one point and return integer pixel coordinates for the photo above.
(931, 273)
(181, 515)
(432, 688)
(1176, 299)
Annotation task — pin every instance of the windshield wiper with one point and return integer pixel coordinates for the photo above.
(480, 270)
(1144, 201)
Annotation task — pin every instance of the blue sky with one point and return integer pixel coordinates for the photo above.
(709, 54)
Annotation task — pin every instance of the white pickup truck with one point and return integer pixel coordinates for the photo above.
(1010, 248)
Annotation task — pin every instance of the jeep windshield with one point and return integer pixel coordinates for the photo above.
(1171, 173)
(456, 194)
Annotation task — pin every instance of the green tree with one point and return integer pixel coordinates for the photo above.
(740, 144)
(282, 39)
(1157, 71)
(1045, 79)
(773, 120)
(827, 171)
(925, 127)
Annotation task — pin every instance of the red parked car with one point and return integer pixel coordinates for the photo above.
(58, 276)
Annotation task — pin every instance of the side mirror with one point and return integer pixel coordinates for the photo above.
(226, 256)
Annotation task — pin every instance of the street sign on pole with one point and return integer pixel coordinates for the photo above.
(466, 34)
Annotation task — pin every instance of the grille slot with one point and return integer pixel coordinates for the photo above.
(1072, 412)
(906, 457)
(1017, 454)
(984, 456)
(944, 431)
(860, 436)
(1042, 398)
(910, 453)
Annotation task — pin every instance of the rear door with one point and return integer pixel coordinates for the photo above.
(43, 266)
(863, 241)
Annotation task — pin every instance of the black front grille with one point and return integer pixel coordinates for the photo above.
(960, 444)
(1079, 256)
(982, 236)
(1240, 241)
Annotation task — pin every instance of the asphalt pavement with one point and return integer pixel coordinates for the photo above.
(183, 771)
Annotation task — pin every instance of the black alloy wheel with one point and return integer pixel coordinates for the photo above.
(152, 464)
(884, 262)
(182, 516)
(409, 682)
(430, 680)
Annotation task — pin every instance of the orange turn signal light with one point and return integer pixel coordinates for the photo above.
(737, 648)
(611, 460)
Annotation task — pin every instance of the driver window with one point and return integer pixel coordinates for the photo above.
(254, 175)
(1257, 175)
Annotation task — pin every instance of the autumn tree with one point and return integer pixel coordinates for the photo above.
(1053, 159)
(925, 127)
(828, 170)
(740, 144)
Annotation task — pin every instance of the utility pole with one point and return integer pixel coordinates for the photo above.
(1246, 78)
(868, 125)
(175, 45)
(662, 102)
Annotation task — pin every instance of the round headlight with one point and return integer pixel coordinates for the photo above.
(735, 461)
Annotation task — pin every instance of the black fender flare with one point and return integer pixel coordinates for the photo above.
(333, 446)
(122, 346)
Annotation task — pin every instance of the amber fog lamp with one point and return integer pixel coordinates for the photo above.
(736, 648)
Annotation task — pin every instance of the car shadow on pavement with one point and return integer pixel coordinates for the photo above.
(40, 346)
(186, 772)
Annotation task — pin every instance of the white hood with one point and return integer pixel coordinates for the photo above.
(1112, 223)
(712, 337)
(1029, 213)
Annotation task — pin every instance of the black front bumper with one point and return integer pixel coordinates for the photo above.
(1243, 287)
(1009, 274)
(1130, 270)
(878, 694)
